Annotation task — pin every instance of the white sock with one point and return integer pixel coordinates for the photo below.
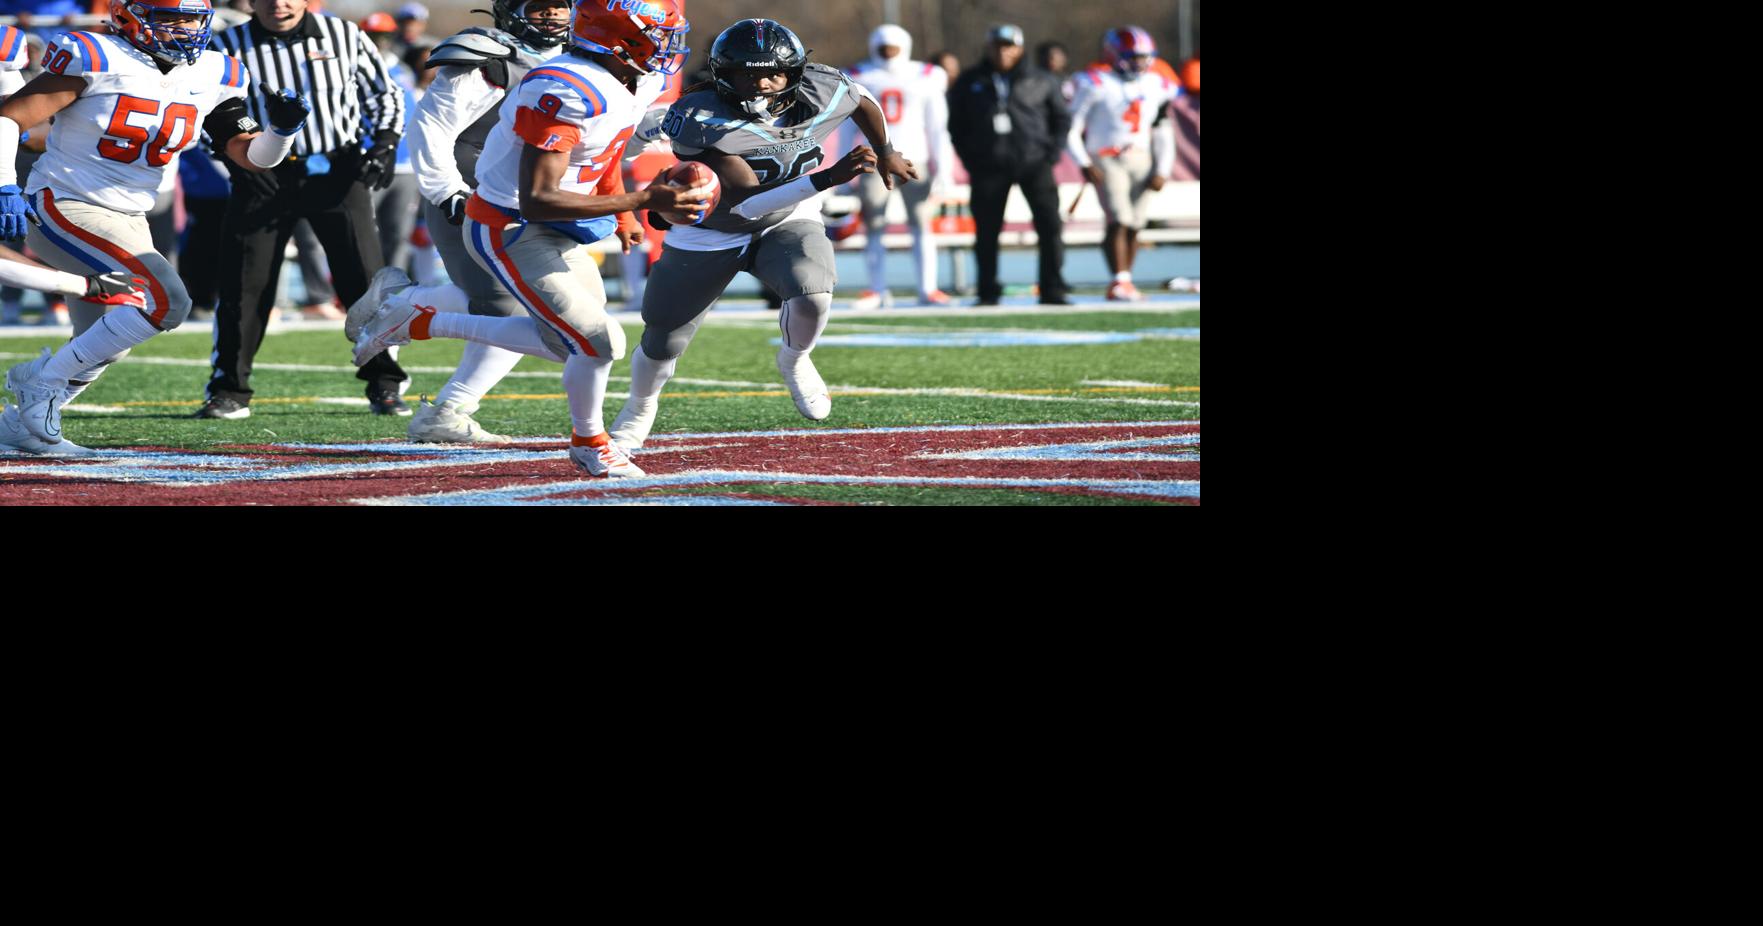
(480, 369)
(649, 376)
(520, 335)
(876, 256)
(924, 251)
(584, 379)
(803, 319)
(440, 298)
(1124, 276)
(113, 334)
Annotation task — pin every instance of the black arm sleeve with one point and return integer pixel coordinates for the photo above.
(229, 119)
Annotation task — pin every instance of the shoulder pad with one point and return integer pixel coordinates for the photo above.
(697, 120)
(472, 48)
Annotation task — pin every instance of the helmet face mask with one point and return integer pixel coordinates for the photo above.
(648, 35)
(757, 45)
(511, 17)
(162, 29)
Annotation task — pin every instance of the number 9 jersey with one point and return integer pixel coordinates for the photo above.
(111, 146)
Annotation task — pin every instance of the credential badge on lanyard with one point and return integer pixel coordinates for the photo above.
(1001, 119)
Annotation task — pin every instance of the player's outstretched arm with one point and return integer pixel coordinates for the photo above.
(260, 151)
(542, 201)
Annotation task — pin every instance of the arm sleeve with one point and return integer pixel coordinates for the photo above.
(648, 134)
(1163, 142)
(10, 82)
(42, 279)
(381, 97)
(457, 98)
(1081, 102)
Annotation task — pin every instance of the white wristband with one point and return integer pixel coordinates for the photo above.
(783, 197)
(9, 132)
(269, 148)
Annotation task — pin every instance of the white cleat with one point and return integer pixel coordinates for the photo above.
(390, 327)
(39, 403)
(602, 459)
(389, 280)
(806, 387)
(14, 436)
(870, 299)
(631, 428)
(446, 424)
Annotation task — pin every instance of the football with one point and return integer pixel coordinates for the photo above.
(691, 174)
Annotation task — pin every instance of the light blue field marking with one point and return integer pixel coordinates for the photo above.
(1004, 338)
(523, 495)
(1094, 450)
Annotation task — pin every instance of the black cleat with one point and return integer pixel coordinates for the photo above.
(388, 403)
(222, 407)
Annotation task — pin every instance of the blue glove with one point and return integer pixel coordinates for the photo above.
(287, 111)
(15, 211)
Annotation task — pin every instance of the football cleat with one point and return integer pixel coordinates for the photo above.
(389, 280)
(936, 297)
(389, 327)
(873, 300)
(446, 424)
(806, 387)
(631, 428)
(223, 408)
(39, 403)
(14, 436)
(1124, 292)
(599, 457)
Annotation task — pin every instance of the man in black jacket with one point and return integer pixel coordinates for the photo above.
(1009, 122)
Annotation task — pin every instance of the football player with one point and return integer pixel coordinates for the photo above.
(1113, 140)
(549, 185)
(912, 97)
(760, 125)
(475, 70)
(125, 104)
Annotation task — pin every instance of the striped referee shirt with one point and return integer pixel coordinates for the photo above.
(333, 64)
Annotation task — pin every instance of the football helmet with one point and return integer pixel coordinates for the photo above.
(649, 35)
(511, 18)
(758, 44)
(142, 23)
(1129, 49)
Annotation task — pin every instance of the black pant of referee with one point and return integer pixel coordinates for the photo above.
(259, 224)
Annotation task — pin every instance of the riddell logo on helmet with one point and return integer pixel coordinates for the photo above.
(639, 8)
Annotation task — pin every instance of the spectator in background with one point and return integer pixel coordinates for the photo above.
(413, 24)
(1056, 60)
(1186, 110)
(394, 207)
(950, 64)
(1009, 122)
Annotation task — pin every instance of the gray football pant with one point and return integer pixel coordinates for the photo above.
(795, 259)
(487, 296)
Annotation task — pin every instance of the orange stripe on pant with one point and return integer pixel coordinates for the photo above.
(531, 298)
(161, 304)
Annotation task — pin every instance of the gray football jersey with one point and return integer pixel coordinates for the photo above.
(702, 121)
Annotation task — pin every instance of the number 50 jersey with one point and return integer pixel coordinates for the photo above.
(111, 146)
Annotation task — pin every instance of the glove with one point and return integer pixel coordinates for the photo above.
(454, 208)
(287, 111)
(115, 288)
(378, 164)
(15, 211)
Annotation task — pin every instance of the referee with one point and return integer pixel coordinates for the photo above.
(326, 180)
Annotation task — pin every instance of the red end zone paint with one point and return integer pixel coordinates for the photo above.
(1155, 461)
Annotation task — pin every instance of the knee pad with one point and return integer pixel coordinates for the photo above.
(813, 305)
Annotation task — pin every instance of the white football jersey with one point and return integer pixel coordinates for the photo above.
(14, 55)
(568, 104)
(912, 95)
(112, 145)
(1109, 114)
